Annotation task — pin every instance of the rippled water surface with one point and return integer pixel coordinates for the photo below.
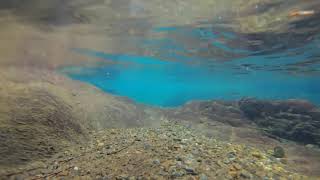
(202, 63)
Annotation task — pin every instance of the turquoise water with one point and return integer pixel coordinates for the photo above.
(173, 79)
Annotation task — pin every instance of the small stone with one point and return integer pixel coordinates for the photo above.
(64, 173)
(245, 174)
(227, 161)
(257, 155)
(146, 146)
(277, 168)
(233, 174)
(184, 141)
(162, 173)
(203, 177)
(278, 152)
(195, 152)
(177, 173)
(179, 164)
(76, 168)
(171, 169)
(122, 177)
(101, 144)
(219, 163)
(284, 160)
(178, 158)
(190, 170)
(19, 177)
(156, 162)
(55, 166)
(231, 156)
(237, 166)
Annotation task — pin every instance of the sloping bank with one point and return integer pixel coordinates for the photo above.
(41, 113)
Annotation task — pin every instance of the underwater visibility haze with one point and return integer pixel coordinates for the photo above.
(160, 89)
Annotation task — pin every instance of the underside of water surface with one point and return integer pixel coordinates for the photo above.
(160, 89)
(181, 72)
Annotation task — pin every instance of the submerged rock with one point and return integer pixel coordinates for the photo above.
(190, 170)
(295, 120)
(278, 152)
(203, 177)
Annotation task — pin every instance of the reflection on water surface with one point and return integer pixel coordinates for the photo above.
(179, 71)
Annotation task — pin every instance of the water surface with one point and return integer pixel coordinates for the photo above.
(181, 72)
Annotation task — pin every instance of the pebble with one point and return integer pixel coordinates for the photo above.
(231, 156)
(179, 164)
(101, 144)
(190, 170)
(146, 146)
(203, 177)
(177, 173)
(257, 155)
(178, 158)
(237, 166)
(156, 162)
(278, 152)
(55, 166)
(122, 177)
(245, 174)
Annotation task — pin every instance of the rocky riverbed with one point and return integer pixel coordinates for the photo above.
(296, 120)
(171, 151)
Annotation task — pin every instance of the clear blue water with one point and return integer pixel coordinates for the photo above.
(173, 79)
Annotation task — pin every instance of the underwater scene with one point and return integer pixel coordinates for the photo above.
(160, 89)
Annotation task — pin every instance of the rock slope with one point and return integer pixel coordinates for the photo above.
(295, 120)
(41, 113)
